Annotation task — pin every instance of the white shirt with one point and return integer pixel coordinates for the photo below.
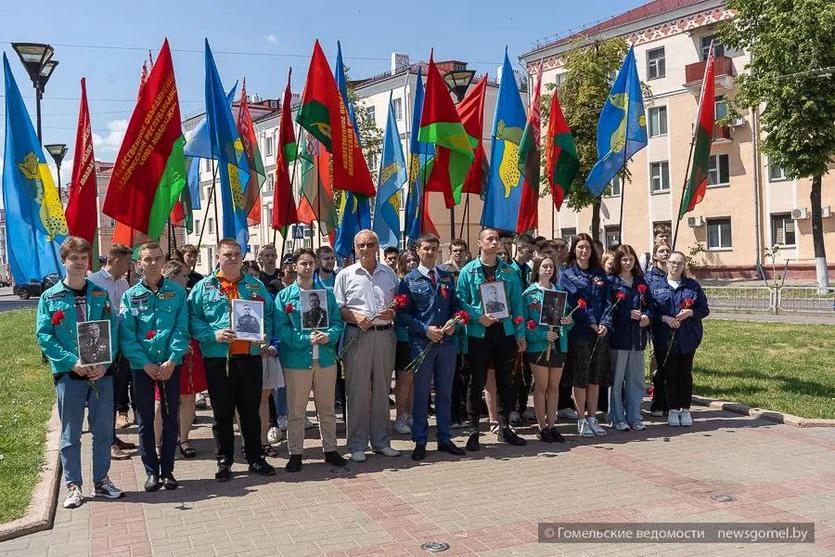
(368, 293)
(673, 283)
(115, 287)
(425, 271)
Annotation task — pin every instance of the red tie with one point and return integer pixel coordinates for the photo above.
(432, 278)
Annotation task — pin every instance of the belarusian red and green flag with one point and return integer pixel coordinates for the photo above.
(284, 206)
(149, 172)
(529, 154)
(257, 174)
(561, 161)
(324, 115)
(315, 196)
(694, 189)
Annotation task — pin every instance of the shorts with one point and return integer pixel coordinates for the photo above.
(402, 356)
(271, 374)
(580, 367)
(557, 358)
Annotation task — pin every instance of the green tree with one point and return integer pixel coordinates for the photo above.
(792, 49)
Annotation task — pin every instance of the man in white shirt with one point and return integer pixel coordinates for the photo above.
(111, 277)
(363, 292)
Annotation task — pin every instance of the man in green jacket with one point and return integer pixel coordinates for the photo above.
(487, 337)
(60, 309)
(233, 367)
(153, 332)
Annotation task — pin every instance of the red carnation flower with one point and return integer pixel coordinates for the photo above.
(687, 303)
(517, 320)
(642, 289)
(150, 334)
(288, 309)
(531, 324)
(620, 295)
(58, 317)
(445, 292)
(581, 303)
(462, 316)
(400, 301)
(257, 297)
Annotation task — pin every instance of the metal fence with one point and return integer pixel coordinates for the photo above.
(764, 299)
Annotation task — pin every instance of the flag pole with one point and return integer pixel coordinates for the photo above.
(465, 217)
(214, 194)
(684, 188)
(292, 198)
(622, 195)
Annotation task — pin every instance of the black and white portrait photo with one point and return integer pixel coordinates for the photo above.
(248, 320)
(314, 306)
(553, 308)
(94, 343)
(494, 300)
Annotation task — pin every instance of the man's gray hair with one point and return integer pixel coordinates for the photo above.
(365, 232)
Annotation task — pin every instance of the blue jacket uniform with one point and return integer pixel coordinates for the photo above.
(469, 292)
(427, 305)
(653, 274)
(627, 334)
(669, 301)
(60, 342)
(164, 312)
(592, 286)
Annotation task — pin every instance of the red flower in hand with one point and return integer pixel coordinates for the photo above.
(517, 320)
(642, 289)
(531, 324)
(620, 295)
(462, 316)
(687, 303)
(257, 297)
(445, 292)
(150, 333)
(288, 309)
(581, 303)
(400, 301)
(58, 317)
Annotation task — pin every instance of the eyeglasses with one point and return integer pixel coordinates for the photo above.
(675, 263)
(364, 245)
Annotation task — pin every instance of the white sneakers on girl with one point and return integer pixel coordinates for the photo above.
(685, 418)
(674, 418)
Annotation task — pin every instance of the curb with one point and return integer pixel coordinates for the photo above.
(769, 415)
(40, 515)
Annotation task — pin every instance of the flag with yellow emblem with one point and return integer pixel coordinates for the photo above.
(390, 182)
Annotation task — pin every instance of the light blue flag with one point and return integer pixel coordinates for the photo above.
(193, 181)
(420, 155)
(390, 182)
(622, 128)
(356, 210)
(503, 192)
(199, 143)
(35, 222)
(228, 149)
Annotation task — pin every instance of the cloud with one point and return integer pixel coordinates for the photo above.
(272, 39)
(110, 143)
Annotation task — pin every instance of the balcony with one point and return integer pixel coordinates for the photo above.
(721, 134)
(723, 70)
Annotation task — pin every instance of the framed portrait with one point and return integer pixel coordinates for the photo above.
(553, 308)
(494, 300)
(314, 309)
(94, 343)
(248, 320)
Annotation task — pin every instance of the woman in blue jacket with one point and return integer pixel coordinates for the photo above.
(679, 305)
(631, 316)
(588, 359)
(657, 271)
(546, 367)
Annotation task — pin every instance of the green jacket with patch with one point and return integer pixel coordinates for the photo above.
(153, 326)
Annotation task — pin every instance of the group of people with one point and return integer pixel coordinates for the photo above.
(560, 321)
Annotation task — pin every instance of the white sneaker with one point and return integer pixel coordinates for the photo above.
(106, 489)
(621, 426)
(638, 426)
(387, 451)
(308, 424)
(401, 425)
(494, 427)
(275, 436)
(74, 498)
(282, 423)
(568, 414)
(358, 456)
(674, 418)
(595, 427)
(514, 418)
(584, 429)
(686, 419)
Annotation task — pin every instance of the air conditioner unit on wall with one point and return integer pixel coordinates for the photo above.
(800, 214)
(695, 222)
(737, 122)
(826, 212)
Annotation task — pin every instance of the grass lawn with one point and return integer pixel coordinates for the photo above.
(775, 366)
(26, 398)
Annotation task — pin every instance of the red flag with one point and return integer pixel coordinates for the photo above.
(561, 161)
(252, 203)
(284, 206)
(81, 208)
(529, 156)
(324, 115)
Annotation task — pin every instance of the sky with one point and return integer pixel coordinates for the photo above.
(107, 42)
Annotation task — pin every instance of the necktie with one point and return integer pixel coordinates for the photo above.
(432, 278)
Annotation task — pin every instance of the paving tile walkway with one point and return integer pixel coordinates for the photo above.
(488, 503)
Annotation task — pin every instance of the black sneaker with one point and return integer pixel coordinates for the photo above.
(556, 435)
(451, 448)
(224, 472)
(509, 436)
(472, 442)
(334, 458)
(545, 435)
(293, 465)
(420, 452)
(262, 468)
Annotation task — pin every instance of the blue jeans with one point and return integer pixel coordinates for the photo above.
(162, 465)
(627, 390)
(280, 398)
(73, 395)
(440, 365)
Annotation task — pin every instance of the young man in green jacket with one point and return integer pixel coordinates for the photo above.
(489, 337)
(60, 309)
(153, 333)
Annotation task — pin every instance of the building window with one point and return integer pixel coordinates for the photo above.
(659, 176)
(615, 186)
(197, 225)
(656, 67)
(559, 78)
(782, 229)
(371, 115)
(211, 257)
(775, 173)
(568, 234)
(397, 105)
(718, 172)
(719, 234)
(211, 224)
(268, 146)
(268, 216)
(657, 121)
(207, 165)
(270, 182)
(718, 48)
(720, 108)
(612, 236)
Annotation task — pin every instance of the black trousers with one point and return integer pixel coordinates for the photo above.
(502, 349)
(659, 389)
(236, 388)
(124, 394)
(523, 382)
(458, 398)
(678, 375)
(169, 405)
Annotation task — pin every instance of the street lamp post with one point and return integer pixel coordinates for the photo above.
(58, 152)
(457, 81)
(38, 62)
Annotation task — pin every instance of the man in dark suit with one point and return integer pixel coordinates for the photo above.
(315, 317)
